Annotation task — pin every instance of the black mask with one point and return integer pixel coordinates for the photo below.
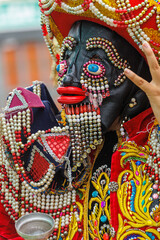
(117, 104)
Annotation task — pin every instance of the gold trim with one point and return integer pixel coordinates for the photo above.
(153, 34)
(56, 32)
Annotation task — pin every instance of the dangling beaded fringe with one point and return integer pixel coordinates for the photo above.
(85, 131)
(152, 167)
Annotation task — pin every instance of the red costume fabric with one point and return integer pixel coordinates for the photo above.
(7, 229)
(138, 130)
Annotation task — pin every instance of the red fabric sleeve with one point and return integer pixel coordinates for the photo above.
(114, 206)
(7, 228)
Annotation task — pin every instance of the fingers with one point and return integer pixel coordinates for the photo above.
(152, 62)
(140, 82)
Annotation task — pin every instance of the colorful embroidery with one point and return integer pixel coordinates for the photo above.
(99, 206)
(130, 151)
(155, 3)
(139, 218)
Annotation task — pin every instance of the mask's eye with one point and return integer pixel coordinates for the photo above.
(62, 68)
(94, 69)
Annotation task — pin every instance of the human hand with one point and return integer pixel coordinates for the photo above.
(152, 89)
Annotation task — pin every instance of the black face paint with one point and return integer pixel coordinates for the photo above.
(88, 43)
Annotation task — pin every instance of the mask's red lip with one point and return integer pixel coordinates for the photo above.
(70, 99)
(74, 95)
(71, 90)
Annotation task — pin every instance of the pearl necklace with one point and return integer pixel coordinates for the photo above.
(20, 194)
(59, 206)
(152, 168)
(131, 19)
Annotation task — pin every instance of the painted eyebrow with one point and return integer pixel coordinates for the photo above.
(98, 43)
(101, 43)
(110, 51)
(67, 44)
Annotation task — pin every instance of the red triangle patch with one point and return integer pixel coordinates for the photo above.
(57, 146)
(15, 102)
(40, 164)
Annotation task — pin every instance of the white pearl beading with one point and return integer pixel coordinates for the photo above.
(37, 88)
(52, 6)
(8, 191)
(106, 6)
(126, 5)
(2, 155)
(155, 145)
(82, 141)
(23, 119)
(31, 201)
(74, 10)
(76, 214)
(98, 14)
(133, 24)
(9, 109)
(46, 4)
(49, 37)
(8, 132)
(68, 43)
(16, 123)
(42, 184)
(134, 29)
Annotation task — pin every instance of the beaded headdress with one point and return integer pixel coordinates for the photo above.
(134, 20)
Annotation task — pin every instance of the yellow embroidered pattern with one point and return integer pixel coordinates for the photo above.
(63, 118)
(107, 12)
(73, 227)
(134, 197)
(87, 14)
(131, 151)
(99, 206)
(86, 196)
(153, 34)
(56, 31)
(155, 3)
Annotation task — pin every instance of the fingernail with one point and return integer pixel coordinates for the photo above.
(145, 44)
(126, 70)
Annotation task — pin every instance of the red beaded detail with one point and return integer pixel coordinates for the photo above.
(86, 4)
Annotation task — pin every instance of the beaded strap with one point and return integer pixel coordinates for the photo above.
(152, 168)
